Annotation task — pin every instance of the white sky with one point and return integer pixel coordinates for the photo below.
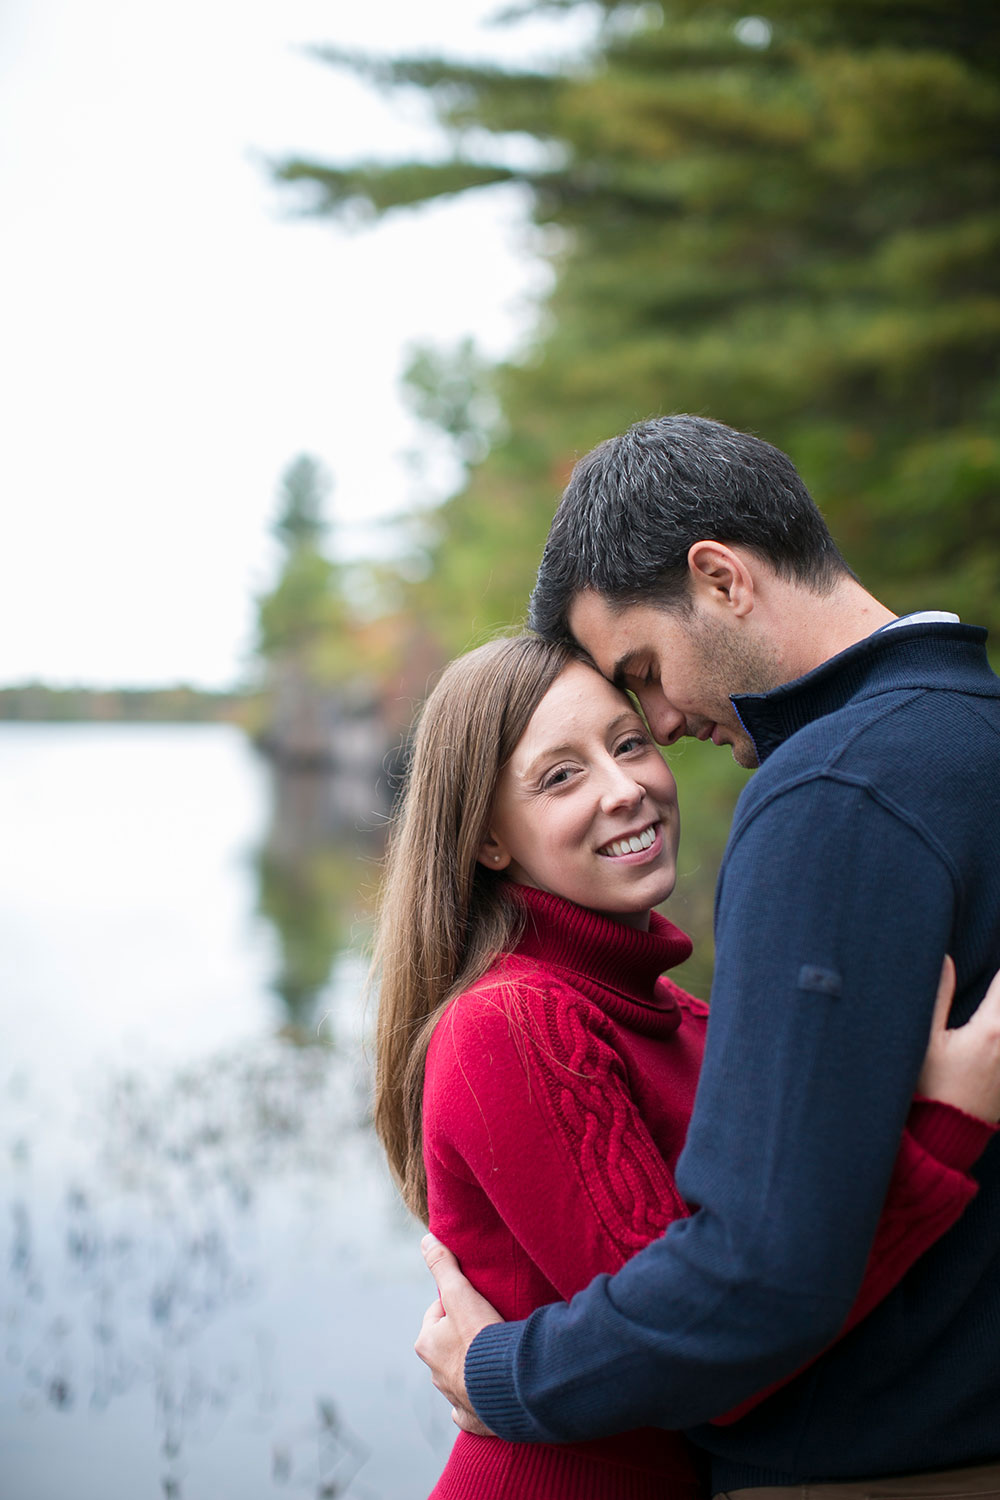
(170, 340)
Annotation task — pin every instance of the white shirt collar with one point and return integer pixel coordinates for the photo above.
(924, 617)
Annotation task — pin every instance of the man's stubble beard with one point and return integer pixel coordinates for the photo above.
(733, 664)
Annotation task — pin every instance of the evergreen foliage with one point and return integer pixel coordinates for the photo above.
(788, 221)
(305, 487)
(304, 622)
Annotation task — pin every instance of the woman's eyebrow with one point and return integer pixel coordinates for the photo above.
(628, 713)
(552, 752)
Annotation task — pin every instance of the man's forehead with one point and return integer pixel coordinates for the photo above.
(588, 617)
(610, 633)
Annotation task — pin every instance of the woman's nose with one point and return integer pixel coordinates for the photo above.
(622, 790)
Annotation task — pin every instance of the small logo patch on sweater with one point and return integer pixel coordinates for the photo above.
(819, 981)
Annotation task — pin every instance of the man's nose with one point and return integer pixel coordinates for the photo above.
(666, 722)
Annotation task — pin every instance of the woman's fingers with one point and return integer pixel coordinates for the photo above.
(988, 1014)
(962, 1065)
(945, 995)
(936, 1080)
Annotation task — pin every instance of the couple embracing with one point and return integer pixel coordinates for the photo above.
(775, 1225)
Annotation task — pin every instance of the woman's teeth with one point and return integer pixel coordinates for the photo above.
(631, 846)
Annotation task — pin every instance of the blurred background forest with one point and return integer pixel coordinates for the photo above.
(787, 220)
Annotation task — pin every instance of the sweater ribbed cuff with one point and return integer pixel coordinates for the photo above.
(491, 1384)
(950, 1135)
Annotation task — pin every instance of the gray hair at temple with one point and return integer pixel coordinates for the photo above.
(635, 504)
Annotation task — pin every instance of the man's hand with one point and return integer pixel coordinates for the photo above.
(450, 1324)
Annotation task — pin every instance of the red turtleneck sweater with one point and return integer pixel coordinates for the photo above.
(557, 1097)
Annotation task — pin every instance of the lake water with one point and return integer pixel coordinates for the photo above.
(209, 1288)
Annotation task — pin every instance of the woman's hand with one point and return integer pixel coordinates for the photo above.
(962, 1066)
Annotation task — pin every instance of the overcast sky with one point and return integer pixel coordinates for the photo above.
(171, 338)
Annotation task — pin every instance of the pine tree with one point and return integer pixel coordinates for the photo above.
(305, 488)
(788, 221)
(304, 621)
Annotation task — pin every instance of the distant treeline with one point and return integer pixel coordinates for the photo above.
(34, 702)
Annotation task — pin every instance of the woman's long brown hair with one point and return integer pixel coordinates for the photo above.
(443, 918)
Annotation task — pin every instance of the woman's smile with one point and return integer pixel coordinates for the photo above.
(648, 841)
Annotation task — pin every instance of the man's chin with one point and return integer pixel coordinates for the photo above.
(745, 755)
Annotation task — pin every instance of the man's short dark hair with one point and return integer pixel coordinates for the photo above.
(636, 503)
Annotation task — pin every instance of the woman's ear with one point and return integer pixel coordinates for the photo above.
(493, 854)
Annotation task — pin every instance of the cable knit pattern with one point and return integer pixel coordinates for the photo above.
(573, 1054)
(557, 1095)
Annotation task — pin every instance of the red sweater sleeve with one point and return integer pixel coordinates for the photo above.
(527, 1095)
(928, 1193)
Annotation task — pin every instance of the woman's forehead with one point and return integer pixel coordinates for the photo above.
(579, 701)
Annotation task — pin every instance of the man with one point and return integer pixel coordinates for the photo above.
(691, 564)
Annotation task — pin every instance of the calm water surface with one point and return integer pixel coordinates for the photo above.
(209, 1289)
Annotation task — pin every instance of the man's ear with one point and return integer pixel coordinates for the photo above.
(493, 853)
(721, 576)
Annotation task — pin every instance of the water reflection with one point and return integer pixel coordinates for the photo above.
(316, 872)
(127, 1287)
(211, 1288)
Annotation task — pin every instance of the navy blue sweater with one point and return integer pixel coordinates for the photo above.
(865, 848)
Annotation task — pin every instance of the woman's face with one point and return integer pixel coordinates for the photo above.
(586, 808)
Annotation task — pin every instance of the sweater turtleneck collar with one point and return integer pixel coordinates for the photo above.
(623, 963)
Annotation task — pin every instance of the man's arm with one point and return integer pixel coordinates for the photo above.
(927, 1194)
(833, 921)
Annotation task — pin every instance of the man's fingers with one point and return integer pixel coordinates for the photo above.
(440, 1261)
(425, 1338)
(449, 1326)
(430, 1245)
(433, 1315)
(458, 1296)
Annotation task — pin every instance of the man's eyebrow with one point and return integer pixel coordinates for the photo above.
(623, 666)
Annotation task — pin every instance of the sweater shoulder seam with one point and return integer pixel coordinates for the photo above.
(862, 784)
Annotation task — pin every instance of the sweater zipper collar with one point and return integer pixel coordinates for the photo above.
(886, 661)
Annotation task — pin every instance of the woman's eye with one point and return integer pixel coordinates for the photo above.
(632, 742)
(556, 778)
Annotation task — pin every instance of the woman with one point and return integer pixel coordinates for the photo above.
(535, 1076)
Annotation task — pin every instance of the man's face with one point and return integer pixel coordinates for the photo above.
(681, 665)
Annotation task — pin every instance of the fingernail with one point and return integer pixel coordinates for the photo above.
(427, 1243)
